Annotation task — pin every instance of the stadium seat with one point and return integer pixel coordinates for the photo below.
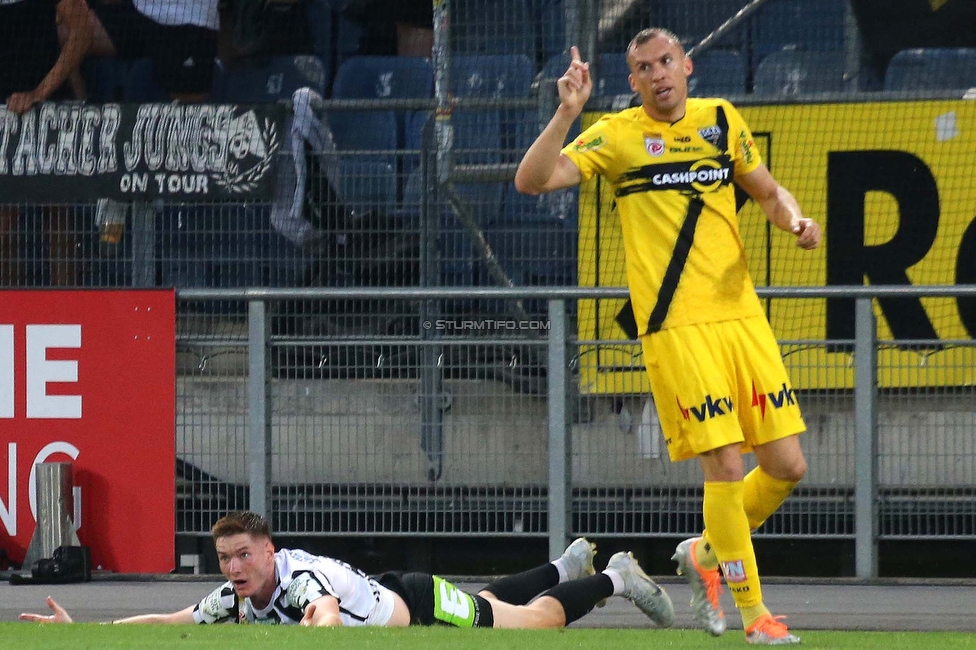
(491, 76)
(932, 69)
(494, 77)
(492, 27)
(275, 80)
(383, 77)
(806, 25)
(388, 77)
(717, 73)
(560, 207)
(790, 72)
(368, 172)
(535, 254)
(611, 75)
(693, 20)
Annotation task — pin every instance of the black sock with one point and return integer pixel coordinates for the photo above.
(578, 597)
(520, 588)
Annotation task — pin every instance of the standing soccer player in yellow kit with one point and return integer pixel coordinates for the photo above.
(716, 372)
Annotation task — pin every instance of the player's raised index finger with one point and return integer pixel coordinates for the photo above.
(575, 55)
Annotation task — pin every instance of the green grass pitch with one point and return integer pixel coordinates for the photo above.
(22, 636)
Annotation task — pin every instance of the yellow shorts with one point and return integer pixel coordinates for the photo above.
(717, 384)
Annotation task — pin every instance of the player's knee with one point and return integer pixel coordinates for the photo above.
(796, 470)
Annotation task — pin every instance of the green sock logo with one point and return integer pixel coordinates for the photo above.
(451, 605)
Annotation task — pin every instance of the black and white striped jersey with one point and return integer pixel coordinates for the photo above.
(302, 578)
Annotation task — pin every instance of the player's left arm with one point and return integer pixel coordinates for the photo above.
(322, 612)
(60, 615)
(780, 206)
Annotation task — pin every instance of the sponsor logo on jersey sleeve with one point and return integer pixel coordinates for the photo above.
(304, 589)
(582, 146)
(747, 146)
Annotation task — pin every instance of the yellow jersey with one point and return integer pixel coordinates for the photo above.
(672, 184)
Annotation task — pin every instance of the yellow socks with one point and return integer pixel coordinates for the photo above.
(751, 614)
(705, 554)
(729, 535)
(763, 496)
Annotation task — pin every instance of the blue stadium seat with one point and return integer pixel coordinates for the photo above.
(932, 69)
(369, 180)
(610, 72)
(277, 79)
(552, 207)
(536, 254)
(493, 75)
(718, 73)
(806, 25)
(789, 72)
(492, 27)
(693, 20)
(383, 77)
(388, 77)
(611, 75)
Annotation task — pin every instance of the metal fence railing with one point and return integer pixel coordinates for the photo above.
(470, 429)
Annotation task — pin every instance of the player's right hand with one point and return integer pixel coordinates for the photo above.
(576, 85)
(60, 615)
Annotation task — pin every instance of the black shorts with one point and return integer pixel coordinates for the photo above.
(434, 601)
(28, 45)
(182, 55)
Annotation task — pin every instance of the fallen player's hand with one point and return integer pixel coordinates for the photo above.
(59, 615)
(307, 618)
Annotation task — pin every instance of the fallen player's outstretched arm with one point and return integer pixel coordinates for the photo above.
(322, 612)
(60, 615)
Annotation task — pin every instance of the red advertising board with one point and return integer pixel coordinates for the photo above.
(88, 377)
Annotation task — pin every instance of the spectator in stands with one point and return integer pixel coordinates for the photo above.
(180, 36)
(291, 587)
(34, 68)
(714, 365)
(394, 27)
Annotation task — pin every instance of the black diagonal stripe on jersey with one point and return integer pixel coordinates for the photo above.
(723, 125)
(361, 619)
(672, 275)
(654, 177)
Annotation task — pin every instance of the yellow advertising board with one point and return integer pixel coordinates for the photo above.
(894, 187)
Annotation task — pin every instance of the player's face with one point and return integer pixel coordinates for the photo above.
(248, 563)
(659, 73)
